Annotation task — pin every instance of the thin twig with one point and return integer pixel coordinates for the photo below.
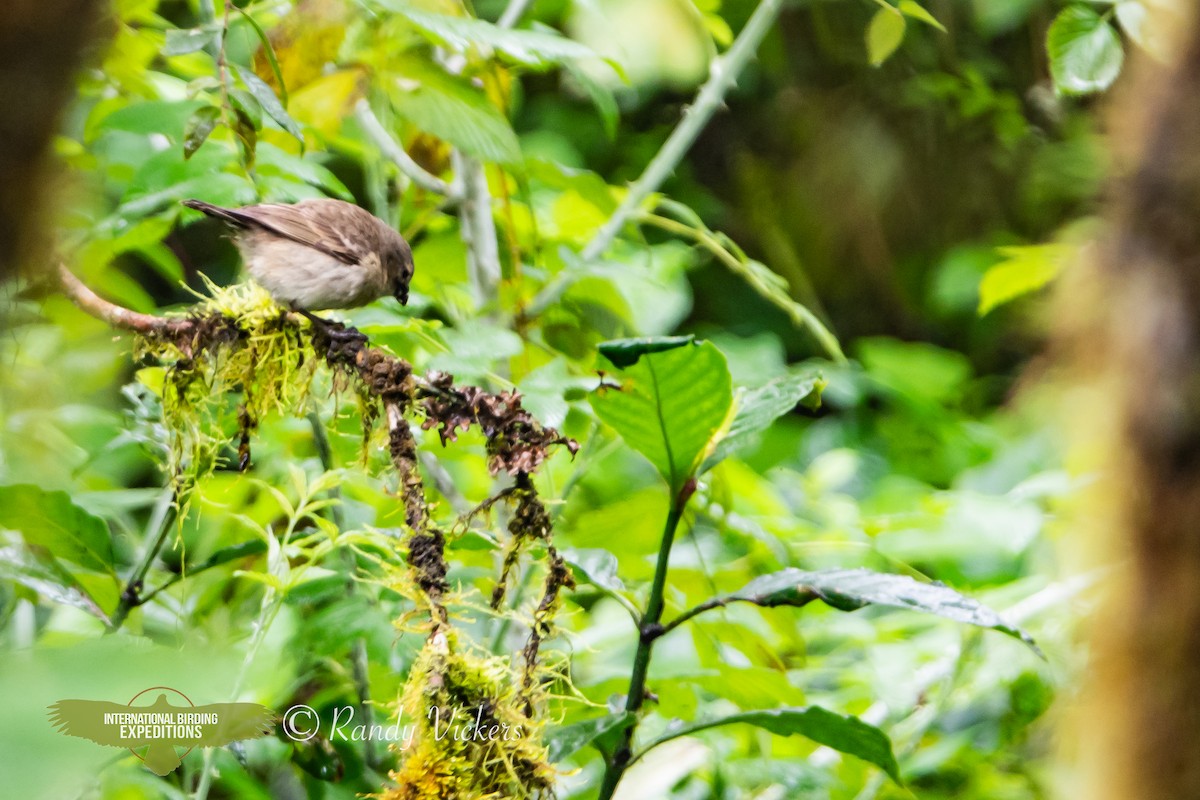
(800, 315)
(391, 149)
(513, 13)
(159, 527)
(723, 73)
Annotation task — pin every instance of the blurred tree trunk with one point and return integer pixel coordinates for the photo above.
(1140, 736)
(41, 44)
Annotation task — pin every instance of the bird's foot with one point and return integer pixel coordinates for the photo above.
(338, 338)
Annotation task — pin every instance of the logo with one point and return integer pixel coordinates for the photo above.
(160, 725)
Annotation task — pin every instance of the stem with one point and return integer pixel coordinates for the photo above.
(392, 150)
(253, 547)
(798, 313)
(513, 13)
(723, 74)
(716, 602)
(649, 632)
(478, 230)
(131, 596)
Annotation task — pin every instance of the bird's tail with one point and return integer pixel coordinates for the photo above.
(224, 214)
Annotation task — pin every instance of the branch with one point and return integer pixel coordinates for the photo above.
(391, 149)
(516, 442)
(478, 229)
(723, 74)
(475, 224)
(114, 315)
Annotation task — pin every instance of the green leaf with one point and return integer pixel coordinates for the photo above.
(199, 126)
(183, 41)
(624, 353)
(271, 104)
(852, 589)
(46, 578)
(567, 740)
(672, 403)
(233, 552)
(460, 114)
(1023, 270)
(601, 96)
(760, 407)
(274, 161)
(597, 567)
(154, 117)
(269, 51)
(846, 734)
(247, 136)
(884, 34)
(245, 103)
(51, 520)
(1085, 51)
(535, 49)
(910, 8)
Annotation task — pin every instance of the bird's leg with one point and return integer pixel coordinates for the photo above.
(335, 331)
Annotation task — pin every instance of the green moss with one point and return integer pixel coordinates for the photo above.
(243, 360)
(449, 696)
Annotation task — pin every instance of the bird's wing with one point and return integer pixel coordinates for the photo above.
(323, 225)
(237, 721)
(85, 719)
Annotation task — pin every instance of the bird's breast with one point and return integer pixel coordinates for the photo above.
(299, 276)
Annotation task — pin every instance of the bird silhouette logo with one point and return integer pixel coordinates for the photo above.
(161, 727)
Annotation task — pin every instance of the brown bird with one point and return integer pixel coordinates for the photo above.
(319, 254)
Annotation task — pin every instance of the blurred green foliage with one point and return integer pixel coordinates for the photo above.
(896, 170)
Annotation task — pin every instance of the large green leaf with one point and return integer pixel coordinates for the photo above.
(671, 404)
(1085, 50)
(51, 520)
(760, 407)
(852, 589)
(849, 735)
(458, 113)
(537, 49)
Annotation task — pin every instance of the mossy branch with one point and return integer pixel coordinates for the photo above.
(516, 442)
